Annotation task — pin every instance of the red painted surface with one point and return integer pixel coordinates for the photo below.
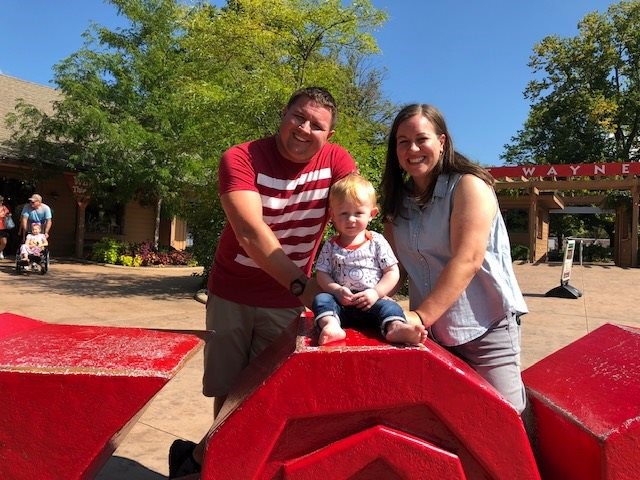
(586, 403)
(70, 393)
(364, 409)
(378, 452)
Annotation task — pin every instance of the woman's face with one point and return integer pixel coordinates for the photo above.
(418, 147)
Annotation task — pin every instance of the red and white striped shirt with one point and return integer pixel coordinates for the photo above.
(294, 205)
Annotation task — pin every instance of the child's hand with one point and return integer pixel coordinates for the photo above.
(365, 299)
(344, 296)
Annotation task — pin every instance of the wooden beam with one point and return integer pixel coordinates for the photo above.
(604, 184)
(533, 222)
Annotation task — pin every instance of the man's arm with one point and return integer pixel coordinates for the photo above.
(47, 226)
(24, 216)
(243, 209)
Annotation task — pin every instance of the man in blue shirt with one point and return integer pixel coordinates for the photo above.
(36, 212)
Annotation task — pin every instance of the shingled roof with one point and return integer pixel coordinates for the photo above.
(12, 89)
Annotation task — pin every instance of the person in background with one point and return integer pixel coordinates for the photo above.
(356, 269)
(274, 194)
(34, 244)
(5, 213)
(442, 219)
(35, 212)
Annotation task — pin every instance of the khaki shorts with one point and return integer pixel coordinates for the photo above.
(241, 333)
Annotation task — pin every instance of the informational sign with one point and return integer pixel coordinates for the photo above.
(568, 262)
(79, 189)
(565, 290)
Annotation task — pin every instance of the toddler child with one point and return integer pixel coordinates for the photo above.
(34, 243)
(357, 268)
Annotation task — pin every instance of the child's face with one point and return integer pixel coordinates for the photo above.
(351, 218)
(35, 229)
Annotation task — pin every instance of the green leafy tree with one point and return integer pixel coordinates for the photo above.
(585, 98)
(118, 122)
(147, 110)
(245, 59)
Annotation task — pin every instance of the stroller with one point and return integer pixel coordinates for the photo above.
(35, 260)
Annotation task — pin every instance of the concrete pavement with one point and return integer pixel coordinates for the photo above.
(77, 293)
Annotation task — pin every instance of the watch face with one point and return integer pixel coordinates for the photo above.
(297, 287)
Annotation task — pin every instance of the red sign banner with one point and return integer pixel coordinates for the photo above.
(576, 170)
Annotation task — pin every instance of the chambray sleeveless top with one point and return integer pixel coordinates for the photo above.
(421, 237)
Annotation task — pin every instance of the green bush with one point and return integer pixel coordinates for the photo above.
(130, 261)
(112, 251)
(106, 250)
(520, 252)
(555, 255)
(596, 253)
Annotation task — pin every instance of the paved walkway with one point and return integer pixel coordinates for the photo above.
(74, 293)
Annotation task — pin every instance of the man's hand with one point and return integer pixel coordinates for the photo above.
(311, 289)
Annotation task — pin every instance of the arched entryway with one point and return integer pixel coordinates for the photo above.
(538, 189)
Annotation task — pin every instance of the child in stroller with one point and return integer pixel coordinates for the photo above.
(33, 254)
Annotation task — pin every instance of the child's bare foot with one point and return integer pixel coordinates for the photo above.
(399, 332)
(331, 330)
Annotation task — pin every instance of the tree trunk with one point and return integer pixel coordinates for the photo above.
(156, 232)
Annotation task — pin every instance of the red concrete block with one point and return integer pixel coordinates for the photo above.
(364, 409)
(586, 407)
(70, 393)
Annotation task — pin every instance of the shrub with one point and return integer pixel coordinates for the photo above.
(555, 255)
(109, 250)
(519, 252)
(130, 261)
(596, 253)
(106, 250)
(162, 256)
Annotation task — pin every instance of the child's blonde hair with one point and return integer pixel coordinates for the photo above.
(355, 188)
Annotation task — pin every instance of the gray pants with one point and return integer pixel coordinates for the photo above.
(496, 357)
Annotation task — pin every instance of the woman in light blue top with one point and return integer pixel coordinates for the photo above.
(443, 221)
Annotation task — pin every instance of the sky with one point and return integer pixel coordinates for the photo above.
(467, 57)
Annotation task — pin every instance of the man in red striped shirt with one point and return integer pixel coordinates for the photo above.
(274, 192)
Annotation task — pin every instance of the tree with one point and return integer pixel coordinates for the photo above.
(243, 62)
(585, 99)
(147, 110)
(118, 122)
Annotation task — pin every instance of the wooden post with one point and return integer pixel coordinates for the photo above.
(80, 215)
(635, 194)
(534, 193)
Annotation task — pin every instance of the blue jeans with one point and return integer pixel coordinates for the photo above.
(381, 313)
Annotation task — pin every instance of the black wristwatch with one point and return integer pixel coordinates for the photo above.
(297, 286)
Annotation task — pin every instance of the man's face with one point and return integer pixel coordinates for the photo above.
(304, 129)
(35, 203)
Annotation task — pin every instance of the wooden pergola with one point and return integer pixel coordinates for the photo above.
(540, 184)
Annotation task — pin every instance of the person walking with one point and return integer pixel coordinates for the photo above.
(35, 212)
(6, 224)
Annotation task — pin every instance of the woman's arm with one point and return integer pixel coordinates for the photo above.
(474, 208)
(402, 278)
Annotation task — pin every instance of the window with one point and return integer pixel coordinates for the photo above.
(104, 219)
